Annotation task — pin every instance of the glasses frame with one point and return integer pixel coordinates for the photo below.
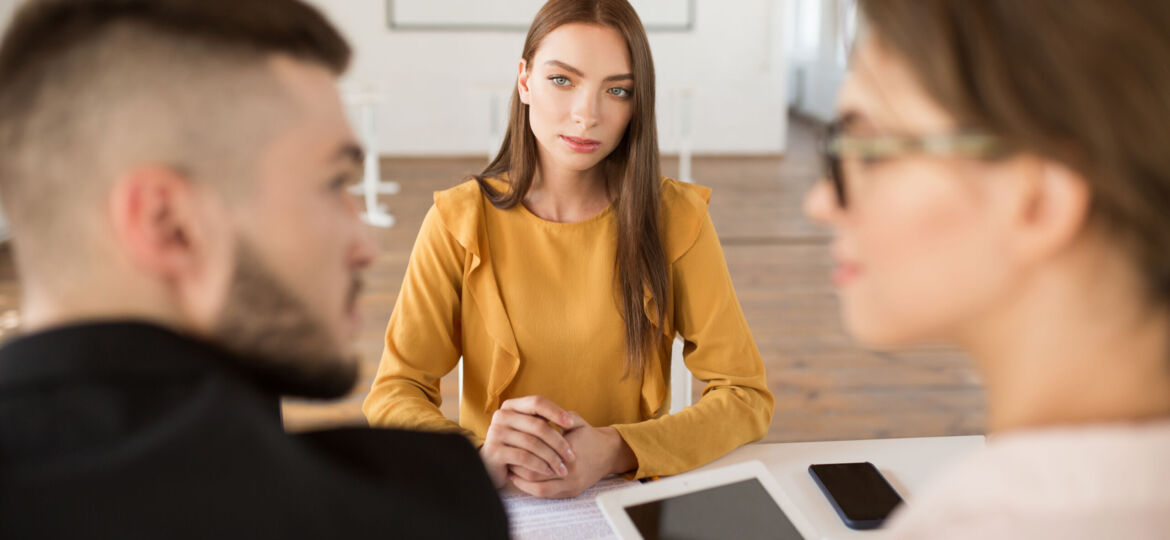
(836, 146)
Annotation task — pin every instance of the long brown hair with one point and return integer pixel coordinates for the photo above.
(632, 170)
(1083, 83)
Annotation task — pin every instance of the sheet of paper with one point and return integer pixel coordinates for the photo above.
(533, 518)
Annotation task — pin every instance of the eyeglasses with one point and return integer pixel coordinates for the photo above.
(838, 146)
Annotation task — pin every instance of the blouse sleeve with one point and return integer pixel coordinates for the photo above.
(422, 338)
(736, 406)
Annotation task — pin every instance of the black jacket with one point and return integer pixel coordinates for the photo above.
(125, 430)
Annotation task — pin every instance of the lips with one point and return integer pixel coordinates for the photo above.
(845, 272)
(582, 145)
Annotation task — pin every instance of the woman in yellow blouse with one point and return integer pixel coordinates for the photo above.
(563, 273)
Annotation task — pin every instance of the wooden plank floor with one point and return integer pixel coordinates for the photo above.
(826, 387)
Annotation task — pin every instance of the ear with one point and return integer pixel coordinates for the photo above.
(522, 82)
(1053, 211)
(157, 222)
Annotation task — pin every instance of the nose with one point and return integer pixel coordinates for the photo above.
(364, 248)
(820, 204)
(586, 109)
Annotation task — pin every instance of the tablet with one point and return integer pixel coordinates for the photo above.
(740, 501)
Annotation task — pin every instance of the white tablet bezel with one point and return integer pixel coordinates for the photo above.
(613, 503)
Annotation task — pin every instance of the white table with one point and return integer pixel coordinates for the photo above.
(906, 463)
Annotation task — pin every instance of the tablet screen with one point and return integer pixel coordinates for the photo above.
(742, 510)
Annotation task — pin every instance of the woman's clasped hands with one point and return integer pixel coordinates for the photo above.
(547, 451)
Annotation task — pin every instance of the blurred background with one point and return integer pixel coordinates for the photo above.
(744, 89)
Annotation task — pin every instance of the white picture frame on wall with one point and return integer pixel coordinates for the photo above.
(516, 15)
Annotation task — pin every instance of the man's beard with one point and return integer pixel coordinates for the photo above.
(278, 338)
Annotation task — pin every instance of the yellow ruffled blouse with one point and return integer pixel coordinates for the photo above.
(530, 306)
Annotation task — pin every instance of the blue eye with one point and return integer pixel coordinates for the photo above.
(559, 80)
(619, 92)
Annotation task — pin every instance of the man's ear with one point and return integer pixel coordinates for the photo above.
(1052, 210)
(522, 82)
(157, 220)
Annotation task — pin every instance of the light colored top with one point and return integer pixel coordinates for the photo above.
(532, 308)
(1108, 481)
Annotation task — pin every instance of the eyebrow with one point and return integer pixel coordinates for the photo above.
(579, 73)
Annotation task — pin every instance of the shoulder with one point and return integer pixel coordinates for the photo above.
(460, 204)
(684, 215)
(676, 192)
(1051, 483)
(463, 195)
(459, 212)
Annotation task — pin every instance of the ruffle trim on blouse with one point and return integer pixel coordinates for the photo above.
(462, 208)
(684, 212)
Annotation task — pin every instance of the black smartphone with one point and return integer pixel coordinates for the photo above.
(858, 492)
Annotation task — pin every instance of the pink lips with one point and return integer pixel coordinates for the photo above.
(845, 273)
(583, 146)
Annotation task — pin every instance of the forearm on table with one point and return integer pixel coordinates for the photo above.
(621, 457)
(724, 419)
(402, 405)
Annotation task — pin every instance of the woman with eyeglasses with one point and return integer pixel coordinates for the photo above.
(562, 275)
(1000, 180)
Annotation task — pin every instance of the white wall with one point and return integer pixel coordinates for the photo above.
(6, 9)
(441, 84)
(658, 14)
(816, 55)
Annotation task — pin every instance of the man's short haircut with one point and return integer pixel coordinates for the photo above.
(90, 87)
(43, 30)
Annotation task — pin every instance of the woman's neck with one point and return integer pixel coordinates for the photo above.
(567, 196)
(1072, 348)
